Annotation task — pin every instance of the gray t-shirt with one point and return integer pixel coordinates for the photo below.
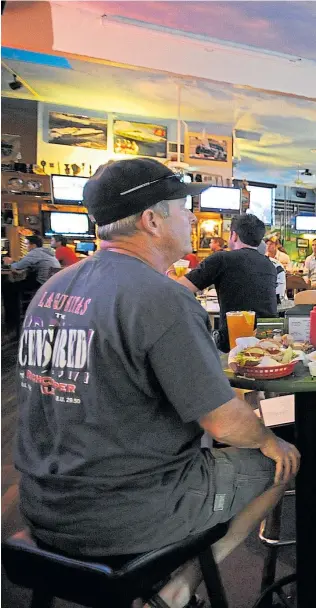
(116, 366)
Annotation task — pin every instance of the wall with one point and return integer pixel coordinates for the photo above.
(19, 117)
(57, 153)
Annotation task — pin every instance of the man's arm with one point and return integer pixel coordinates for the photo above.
(60, 257)
(281, 281)
(203, 275)
(188, 369)
(23, 264)
(182, 280)
(236, 424)
(307, 271)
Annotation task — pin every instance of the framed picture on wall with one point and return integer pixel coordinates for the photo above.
(140, 139)
(302, 243)
(76, 130)
(211, 150)
(227, 225)
(207, 227)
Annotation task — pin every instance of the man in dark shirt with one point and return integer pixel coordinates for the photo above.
(243, 278)
(110, 421)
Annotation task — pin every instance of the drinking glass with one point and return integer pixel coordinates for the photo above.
(241, 324)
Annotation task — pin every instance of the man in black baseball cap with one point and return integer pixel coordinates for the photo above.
(125, 380)
(127, 187)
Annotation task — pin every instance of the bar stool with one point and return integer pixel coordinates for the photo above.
(118, 581)
(270, 535)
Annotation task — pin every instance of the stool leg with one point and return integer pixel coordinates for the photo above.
(40, 599)
(212, 579)
(272, 531)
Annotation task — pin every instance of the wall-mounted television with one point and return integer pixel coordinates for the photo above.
(83, 247)
(67, 189)
(305, 223)
(261, 201)
(67, 224)
(220, 199)
(189, 202)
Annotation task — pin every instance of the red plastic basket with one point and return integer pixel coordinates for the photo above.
(266, 373)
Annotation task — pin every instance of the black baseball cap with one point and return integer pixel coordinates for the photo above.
(126, 187)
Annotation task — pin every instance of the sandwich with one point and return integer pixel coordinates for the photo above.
(272, 355)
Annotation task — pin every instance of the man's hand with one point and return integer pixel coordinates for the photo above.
(7, 260)
(285, 455)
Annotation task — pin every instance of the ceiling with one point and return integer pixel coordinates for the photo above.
(275, 132)
(284, 27)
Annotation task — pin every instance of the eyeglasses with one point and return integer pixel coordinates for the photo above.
(179, 177)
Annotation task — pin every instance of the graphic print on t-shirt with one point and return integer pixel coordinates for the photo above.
(56, 357)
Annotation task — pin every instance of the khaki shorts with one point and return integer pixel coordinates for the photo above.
(237, 476)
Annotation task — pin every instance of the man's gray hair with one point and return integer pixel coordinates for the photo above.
(127, 226)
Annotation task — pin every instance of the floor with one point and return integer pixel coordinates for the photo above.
(241, 571)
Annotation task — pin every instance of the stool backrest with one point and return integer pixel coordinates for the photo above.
(53, 271)
(305, 297)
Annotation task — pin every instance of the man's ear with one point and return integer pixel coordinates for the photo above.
(151, 222)
(234, 236)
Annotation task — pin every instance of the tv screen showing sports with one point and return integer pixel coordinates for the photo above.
(85, 247)
(216, 198)
(189, 202)
(67, 224)
(305, 223)
(68, 189)
(261, 202)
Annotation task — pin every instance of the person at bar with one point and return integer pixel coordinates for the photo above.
(64, 254)
(310, 267)
(274, 252)
(125, 382)
(217, 244)
(281, 276)
(243, 278)
(38, 262)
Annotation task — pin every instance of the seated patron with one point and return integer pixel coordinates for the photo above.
(64, 254)
(243, 278)
(310, 267)
(217, 244)
(281, 276)
(38, 264)
(39, 261)
(113, 465)
(274, 252)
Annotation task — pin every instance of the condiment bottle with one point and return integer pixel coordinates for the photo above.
(313, 327)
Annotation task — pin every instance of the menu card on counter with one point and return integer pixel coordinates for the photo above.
(278, 410)
(299, 328)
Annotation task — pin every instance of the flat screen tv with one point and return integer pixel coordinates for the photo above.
(305, 223)
(67, 224)
(67, 189)
(261, 201)
(220, 199)
(85, 247)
